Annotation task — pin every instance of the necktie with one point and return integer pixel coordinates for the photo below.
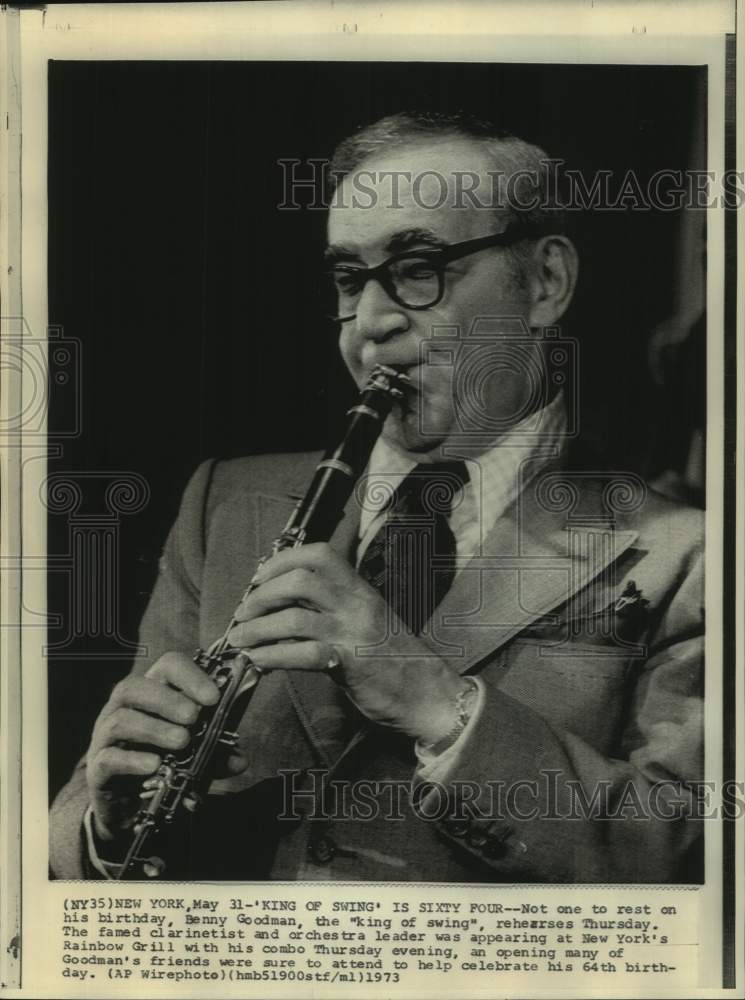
(410, 560)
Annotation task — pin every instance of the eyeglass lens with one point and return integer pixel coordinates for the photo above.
(413, 282)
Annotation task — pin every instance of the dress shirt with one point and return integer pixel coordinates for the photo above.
(494, 479)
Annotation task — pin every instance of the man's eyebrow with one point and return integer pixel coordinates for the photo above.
(337, 251)
(405, 239)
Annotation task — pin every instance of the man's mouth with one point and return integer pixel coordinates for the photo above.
(409, 403)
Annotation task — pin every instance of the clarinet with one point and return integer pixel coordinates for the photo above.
(181, 782)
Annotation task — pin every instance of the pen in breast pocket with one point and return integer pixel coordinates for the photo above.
(631, 596)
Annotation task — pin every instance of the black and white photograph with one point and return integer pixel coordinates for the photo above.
(488, 610)
(385, 477)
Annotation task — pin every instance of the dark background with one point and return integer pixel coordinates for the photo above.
(196, 300)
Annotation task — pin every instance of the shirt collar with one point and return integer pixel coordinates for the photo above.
(494, 473)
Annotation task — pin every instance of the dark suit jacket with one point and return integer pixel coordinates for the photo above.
(582, 615)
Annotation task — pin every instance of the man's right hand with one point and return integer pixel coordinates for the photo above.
(146, 716)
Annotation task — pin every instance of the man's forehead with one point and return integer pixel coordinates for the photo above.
(388, 229)
(415, 188)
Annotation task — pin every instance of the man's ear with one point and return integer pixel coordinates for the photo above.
(552, 279)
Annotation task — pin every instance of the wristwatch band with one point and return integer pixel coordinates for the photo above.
(463, 707)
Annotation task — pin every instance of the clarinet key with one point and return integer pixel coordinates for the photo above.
(153, 867)
(192, 801)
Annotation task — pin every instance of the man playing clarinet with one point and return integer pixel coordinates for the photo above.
(492, 670)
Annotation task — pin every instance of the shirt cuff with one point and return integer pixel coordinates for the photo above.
(108, 869)
(437, 767)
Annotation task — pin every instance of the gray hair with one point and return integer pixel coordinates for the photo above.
(529, 198)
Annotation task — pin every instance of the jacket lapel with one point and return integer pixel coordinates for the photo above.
(533, 560)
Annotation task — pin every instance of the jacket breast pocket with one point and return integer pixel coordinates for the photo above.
(577, 680)
(611, 628)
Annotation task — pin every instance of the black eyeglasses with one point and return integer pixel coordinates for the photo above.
(414, 279)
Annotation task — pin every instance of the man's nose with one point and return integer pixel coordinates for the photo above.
(378, 316)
